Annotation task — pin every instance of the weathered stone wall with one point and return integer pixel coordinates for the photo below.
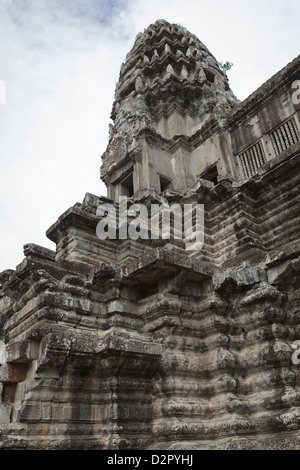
(164, 350)
(140, 344)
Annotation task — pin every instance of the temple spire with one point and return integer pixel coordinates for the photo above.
(170, 85)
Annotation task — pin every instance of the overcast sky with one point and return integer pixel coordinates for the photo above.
(59, 63)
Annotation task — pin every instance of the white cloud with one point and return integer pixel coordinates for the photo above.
(60, 60)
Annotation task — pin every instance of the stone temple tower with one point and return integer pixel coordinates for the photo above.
(169, 88)
(124, 342)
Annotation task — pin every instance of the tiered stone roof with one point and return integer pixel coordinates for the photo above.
(168, 68)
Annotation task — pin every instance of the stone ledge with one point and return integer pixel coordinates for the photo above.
(85, 346)
(75, 216)
(158, 263)
(31, 249)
